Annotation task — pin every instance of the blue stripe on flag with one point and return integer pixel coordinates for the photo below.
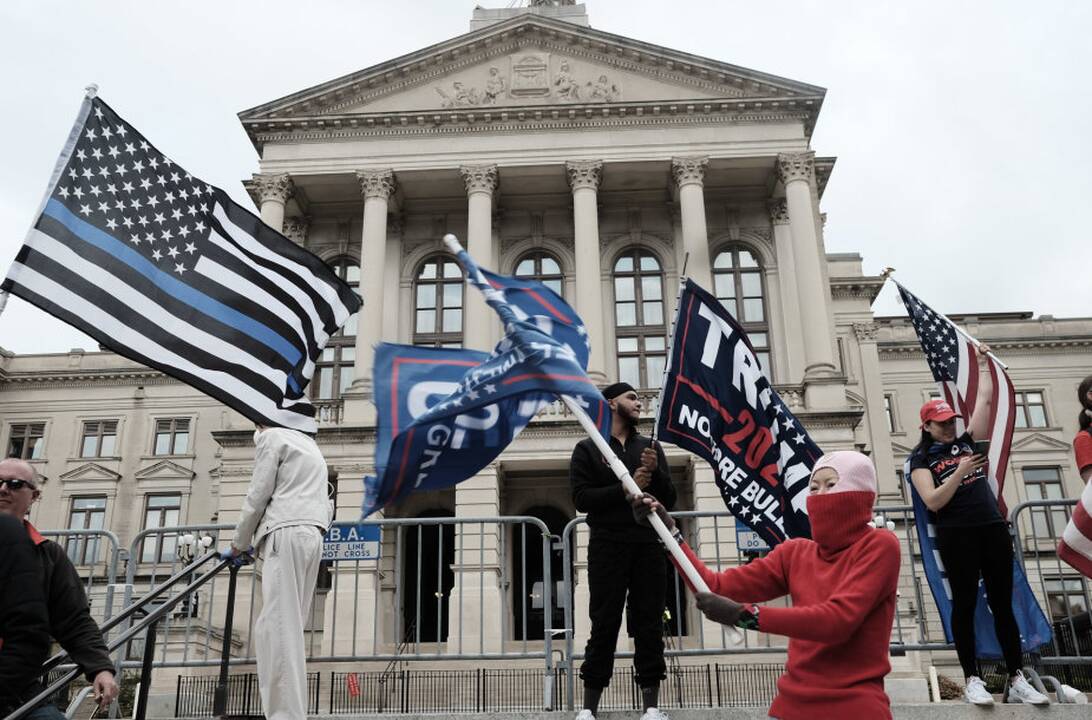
(180, 290)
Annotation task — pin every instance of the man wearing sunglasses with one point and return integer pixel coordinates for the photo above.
(70, 622)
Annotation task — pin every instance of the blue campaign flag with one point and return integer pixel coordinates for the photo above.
(718, 403)
(443, 415)
(1035, 630)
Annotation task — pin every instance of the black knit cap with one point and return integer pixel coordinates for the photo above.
(612, 391)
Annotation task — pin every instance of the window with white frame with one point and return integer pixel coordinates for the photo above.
(1066, 596)
(161, 511)
(738, 284)
(640, 332)
(26, 441)
(1030, 409)
(541, 266)
(87, 513)
(99, 438)
(438, 302)
(172, 436)
(1045, 483)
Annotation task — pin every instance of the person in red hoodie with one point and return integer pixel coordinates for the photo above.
(842, 583)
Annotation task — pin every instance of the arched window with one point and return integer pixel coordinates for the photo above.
(737, 280)
(334, 368)
(543, 267)
(641, 335)
(438, 303)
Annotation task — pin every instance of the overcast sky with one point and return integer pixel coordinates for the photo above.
(961, 129)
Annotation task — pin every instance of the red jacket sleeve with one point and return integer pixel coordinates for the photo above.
(1082, 450)
(874, 577)
(760, 580)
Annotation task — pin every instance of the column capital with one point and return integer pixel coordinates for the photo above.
(273, 186)
(296, 227)
(689, 170)
(779, 211)
(377, 183)
(796, 166)
(865, 331)
(479, 178)
(584, 173)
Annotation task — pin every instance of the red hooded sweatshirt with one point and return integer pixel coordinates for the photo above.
(842, 584)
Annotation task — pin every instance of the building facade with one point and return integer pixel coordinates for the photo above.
(604, 166)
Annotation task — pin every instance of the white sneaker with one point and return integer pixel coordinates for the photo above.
(654, 714)
(1073, 695)
(1021, 691)
(975, 692)
(585, 714)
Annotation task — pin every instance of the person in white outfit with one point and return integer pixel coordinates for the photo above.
(284, 516)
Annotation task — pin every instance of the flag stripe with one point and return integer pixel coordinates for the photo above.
(180, 290)
(52, 241)
(304, 278)
(87, 280)
(103, 324)
(288, 294)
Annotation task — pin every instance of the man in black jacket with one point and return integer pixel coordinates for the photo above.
(622, 555)
(24, 627)
(70, 621)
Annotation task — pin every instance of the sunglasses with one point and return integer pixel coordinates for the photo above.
(15, 483)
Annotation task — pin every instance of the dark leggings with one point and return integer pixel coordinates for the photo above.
(968, 553)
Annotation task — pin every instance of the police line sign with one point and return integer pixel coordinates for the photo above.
(351, 541)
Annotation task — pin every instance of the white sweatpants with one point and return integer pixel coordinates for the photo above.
(291, 558)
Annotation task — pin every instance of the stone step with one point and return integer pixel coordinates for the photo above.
(918, 711)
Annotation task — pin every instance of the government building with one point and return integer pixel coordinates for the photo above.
(603, 166)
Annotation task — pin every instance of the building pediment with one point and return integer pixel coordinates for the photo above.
(1038, 442)
(91, 472)
(536, 63)
(165, 470)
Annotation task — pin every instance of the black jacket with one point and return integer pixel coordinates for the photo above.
(70, 621)
(598, 492)
(24, 625)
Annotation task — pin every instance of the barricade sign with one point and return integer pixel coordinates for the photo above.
(748, 540)
(351, 541)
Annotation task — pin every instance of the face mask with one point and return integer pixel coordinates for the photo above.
(839, 519)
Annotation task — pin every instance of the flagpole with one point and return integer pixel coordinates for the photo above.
(670, 347)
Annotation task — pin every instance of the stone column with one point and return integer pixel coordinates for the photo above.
(879, 436)
(377, 186)
(480, 324)
(476, 608)
(797, 172)
(793, 372)
(584, 178)
(689, 174)
(274, 189)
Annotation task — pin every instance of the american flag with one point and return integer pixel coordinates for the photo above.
(165, 269)
(953, 358)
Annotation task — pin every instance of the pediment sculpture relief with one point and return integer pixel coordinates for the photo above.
(529, 77)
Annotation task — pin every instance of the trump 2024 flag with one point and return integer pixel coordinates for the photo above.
(718, 403)
(167, 270)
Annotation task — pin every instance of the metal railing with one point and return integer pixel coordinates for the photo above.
(483, 589)
(95, 555)
(1062, 592)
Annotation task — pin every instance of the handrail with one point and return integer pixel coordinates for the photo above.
(129, 610)
(150, 621)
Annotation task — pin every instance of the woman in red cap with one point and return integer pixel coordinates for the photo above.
(972, 535)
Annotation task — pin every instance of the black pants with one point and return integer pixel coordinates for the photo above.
(614, 568)
(967, 553)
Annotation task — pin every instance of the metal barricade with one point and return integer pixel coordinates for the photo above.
(713, 534)
(1062, 592)
(95, 555)
(442, 589)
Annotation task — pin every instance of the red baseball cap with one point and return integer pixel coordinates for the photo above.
(937, 411)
